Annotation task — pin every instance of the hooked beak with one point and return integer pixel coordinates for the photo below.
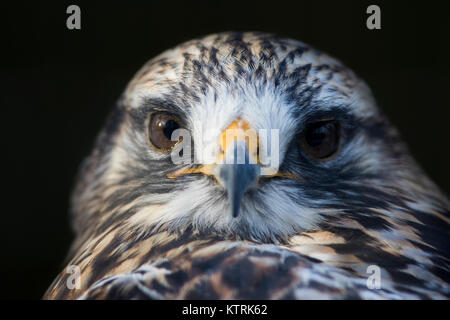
(238, 171)
(237, 178)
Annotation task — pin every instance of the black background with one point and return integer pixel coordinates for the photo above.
(57, 86)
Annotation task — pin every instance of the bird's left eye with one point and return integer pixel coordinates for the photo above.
(161, 127)
(320, 140)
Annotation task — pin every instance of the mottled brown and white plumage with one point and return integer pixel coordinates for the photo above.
(143, 232)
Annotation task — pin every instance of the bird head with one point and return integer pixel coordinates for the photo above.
(247, 136)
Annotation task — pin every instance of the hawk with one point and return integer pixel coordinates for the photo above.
(346, 197)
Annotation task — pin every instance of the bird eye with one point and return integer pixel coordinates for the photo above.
(161, 127)
(320, 140)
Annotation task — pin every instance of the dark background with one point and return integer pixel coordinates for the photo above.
(57, 86)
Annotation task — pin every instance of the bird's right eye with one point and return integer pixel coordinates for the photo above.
(161, 126)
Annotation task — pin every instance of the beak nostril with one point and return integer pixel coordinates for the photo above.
(256, 156)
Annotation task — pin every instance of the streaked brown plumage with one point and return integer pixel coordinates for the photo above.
(142, 234)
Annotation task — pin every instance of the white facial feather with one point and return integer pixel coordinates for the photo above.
(202, 203)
